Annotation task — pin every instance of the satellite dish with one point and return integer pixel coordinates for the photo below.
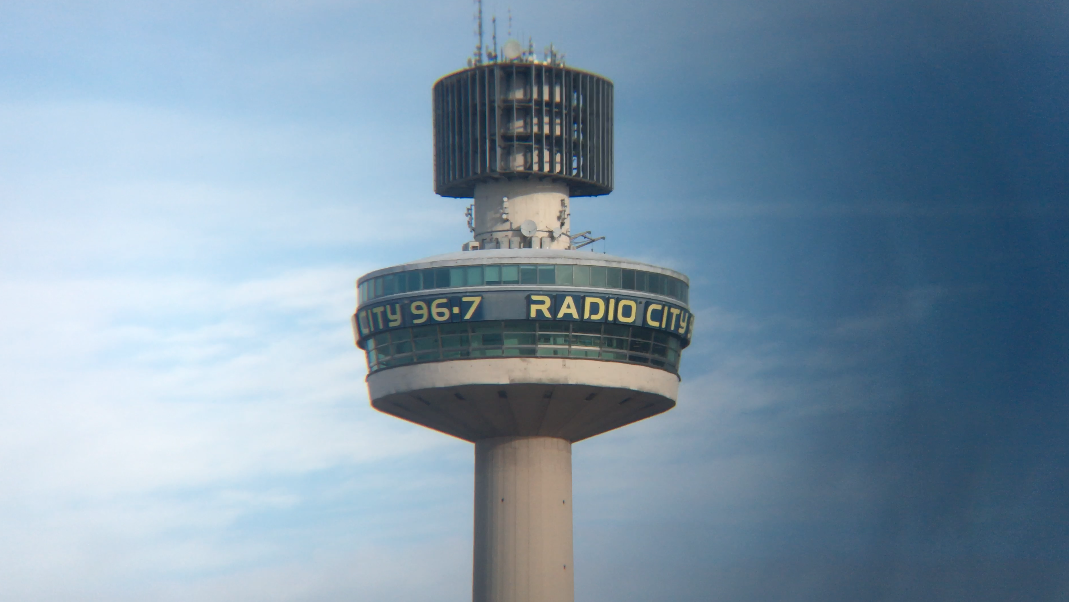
(512, 50)
(528, 228)
(557, 232)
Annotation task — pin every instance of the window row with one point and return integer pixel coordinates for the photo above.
(484, 275)
(523, 339)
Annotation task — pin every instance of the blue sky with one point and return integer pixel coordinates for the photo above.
(869, 198)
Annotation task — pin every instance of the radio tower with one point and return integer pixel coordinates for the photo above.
(521, 343)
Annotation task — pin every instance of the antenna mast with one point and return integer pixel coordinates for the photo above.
(493, 24)
(479, 30)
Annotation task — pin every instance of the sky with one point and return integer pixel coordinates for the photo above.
(869, 197)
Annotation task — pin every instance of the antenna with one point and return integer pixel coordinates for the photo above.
(510, 21)
(479, 31)
(493, 22)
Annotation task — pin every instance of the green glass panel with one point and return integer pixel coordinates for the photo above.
(453, 354)
(427, 357)
(456, 277)
(581, 275)
(428, 279)
(654, 283)
(489, 339)
(552, 339)
(586, 327)
(510, 274)
(614, 278)
(493, 274)
(486, 326)
(380, 341)
(521, 326)
(586, 340)
(425, 332)
(553, 327)
(528, 274)
(441, 277)
(400, 335)
(641, 334)
(519, 351)
(425, 344)
(638, 359)
(454, 328)
(474, 276)
(627, 280)
(617, 331)
(414, 281)
(597, 276)
(514, 339)
(404, 347)
(639, 346)
(564, 274)
(660, 337)
(378, 287)
(660, 351)
(453, 341)
(547, 274)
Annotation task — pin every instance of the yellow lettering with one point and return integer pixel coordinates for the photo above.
(587, 302)
(539, 303)
(649, 314)
(378, 315)
(568, 307)
(394, 319)
(612, 306)
(474, 303)
(631, 313)
(362, 320)
(690, 329)
(684, 318)
(675, 312)
(419, 308)
(440, 314)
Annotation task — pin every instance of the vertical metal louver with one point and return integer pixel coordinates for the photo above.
(514, 118)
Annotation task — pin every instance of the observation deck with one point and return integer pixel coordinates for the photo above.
(493, 343)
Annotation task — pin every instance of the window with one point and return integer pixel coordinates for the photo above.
(523, 338)
(564, 274)
(507, 274)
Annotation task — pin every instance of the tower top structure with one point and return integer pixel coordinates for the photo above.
(521, 136)
(520, 119)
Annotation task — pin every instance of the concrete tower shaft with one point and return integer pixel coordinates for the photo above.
(523, 520)
(522, 214)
